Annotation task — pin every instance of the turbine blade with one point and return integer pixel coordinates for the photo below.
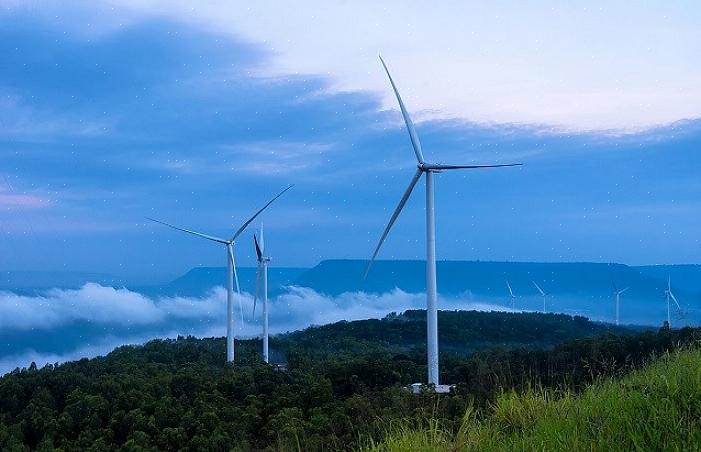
(613, 284)
(440, 167)
(394, 216)
(230, 248)
(259, 253)
(245, 225)
(198, 234)
(256, 293)
(261, 240)
(622, 291)
(542, 294)
(233, 266)
(415, 143)
(675, 300)
(511, 291)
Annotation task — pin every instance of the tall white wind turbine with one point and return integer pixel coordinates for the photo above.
(617, 296)
(542, 293)
(231, 275)
(262, 287)
(669, 297)
(424, 167)
(511, 295)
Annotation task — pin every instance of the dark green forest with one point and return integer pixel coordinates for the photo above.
(344, 383)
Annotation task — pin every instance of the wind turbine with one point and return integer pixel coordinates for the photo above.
(542, 293)
(511, 294)
(423, 167)
(262, 287)
(617, 295)
(231, 275)
(669, 297)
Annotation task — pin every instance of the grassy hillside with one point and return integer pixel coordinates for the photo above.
(655, 408)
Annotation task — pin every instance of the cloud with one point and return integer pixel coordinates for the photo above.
(481, 61)
(10, 200)
(19, 120)
(92, 303)
(295, 309)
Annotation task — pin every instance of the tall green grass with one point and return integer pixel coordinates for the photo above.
(655, 408)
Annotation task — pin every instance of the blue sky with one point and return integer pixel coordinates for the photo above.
(197, 114)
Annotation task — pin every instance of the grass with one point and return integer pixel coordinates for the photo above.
(655, 408)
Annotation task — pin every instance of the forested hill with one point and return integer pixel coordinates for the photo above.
(459, 331)
(343, 382)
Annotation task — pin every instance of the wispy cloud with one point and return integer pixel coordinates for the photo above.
(10, 200)
(296, 308)
(23, 122)
(483, 62)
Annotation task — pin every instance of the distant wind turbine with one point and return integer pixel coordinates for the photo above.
(669, 297)
(262, 287)
(511, 294)
(542, 293)
(231, 275)
(428, 169)
(617, 296)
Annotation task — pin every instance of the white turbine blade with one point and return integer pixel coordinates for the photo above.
(615, 287)
(261, 241)
(245, 225)
(259, 274)
(394, 216)
(236, 277)
(675, 300)
(199, 234)
(236, 280)
(510, 289)
(539, 289)
(415, 143)
(439, 167)
(622, 291)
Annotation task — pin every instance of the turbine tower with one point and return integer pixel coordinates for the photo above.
(511, 295)
(262, 287)
(669, 297)
(423, 167)
(617, 296)
(231, 275)
(542, 293)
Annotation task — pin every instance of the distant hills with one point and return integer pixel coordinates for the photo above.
(199, 280)
(685, 277)
(457, 278)
(480, 278)
(573, 288)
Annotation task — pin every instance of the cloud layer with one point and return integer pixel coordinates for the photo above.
(141, 318)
